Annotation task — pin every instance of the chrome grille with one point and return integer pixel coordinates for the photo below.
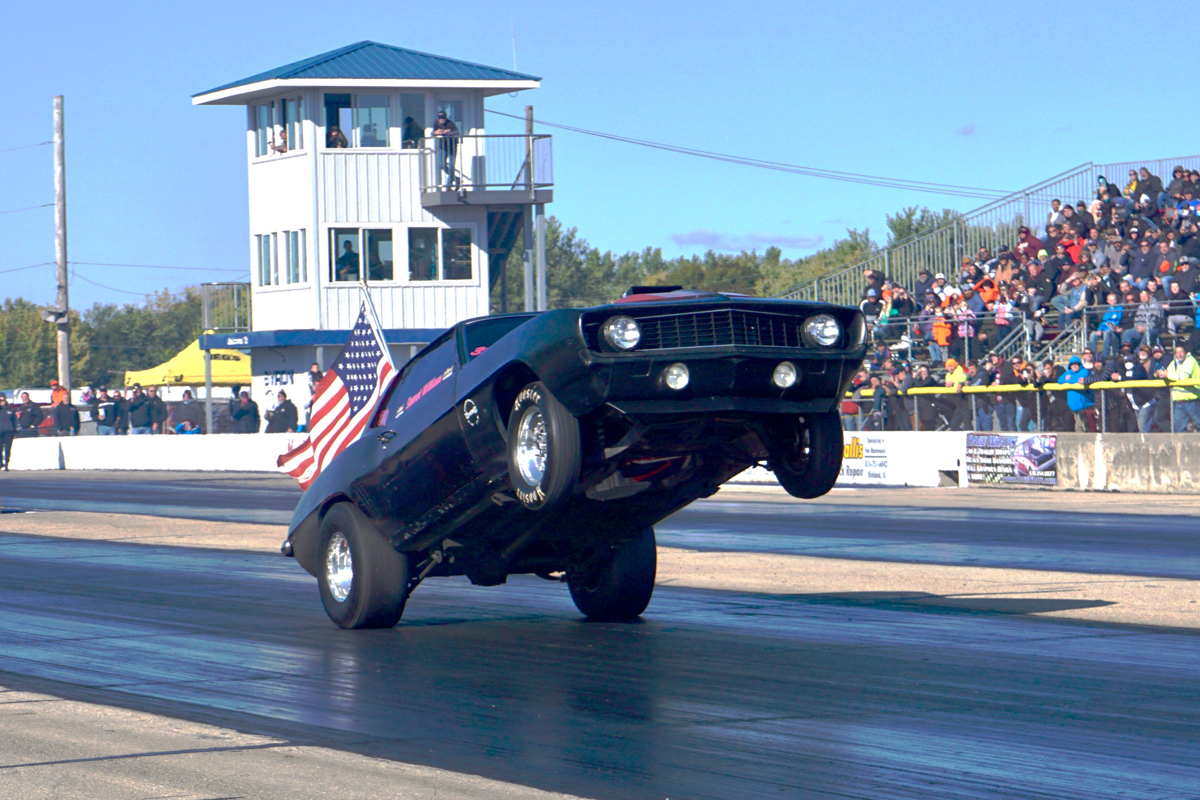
(714, 329)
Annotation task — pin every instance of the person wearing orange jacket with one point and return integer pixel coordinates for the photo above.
(58, 394)
(942, 334)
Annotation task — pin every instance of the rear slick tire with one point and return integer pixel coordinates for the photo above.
(620, 586)
(806, 453)
(363, 580)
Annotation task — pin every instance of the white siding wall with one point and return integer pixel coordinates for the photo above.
(281, 199)
(412, 306)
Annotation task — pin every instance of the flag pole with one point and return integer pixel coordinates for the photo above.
(373, 317)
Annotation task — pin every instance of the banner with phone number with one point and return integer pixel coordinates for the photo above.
(1030, 459)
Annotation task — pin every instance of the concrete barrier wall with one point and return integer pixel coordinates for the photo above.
(1129, 462)
(217, 453)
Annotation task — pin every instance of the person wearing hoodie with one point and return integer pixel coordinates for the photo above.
(1185, 399)
(8, 429)
(188, 416)
(1081, 402)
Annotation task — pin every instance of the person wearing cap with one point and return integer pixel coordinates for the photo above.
(446, 136)
(872, 309)
(244, 413)
(140, 412)
(1185, 399)
(58, 394)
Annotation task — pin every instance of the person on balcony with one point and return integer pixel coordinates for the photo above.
(281, 145)
(447, 138)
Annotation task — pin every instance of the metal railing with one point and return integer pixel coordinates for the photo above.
(226, 307)
(993, 226)
(1144, 406)
(498, 163)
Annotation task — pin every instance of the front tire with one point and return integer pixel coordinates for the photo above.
(363, 580)
(543, 448)
(619, 585)
(806, 453)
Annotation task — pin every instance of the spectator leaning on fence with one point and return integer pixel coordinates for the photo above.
(1185, 399)
(1081, 402)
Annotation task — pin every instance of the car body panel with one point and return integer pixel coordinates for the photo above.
(433, 465)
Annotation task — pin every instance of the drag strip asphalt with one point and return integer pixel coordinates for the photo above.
(998, 534)
(711, 695)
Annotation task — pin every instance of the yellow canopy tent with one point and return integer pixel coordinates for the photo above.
(229, 368)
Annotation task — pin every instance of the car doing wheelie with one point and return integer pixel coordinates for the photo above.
(550, 444)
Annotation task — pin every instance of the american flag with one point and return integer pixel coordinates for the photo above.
(343, 401)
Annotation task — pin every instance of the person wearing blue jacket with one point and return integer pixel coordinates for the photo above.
(1109, 329)
(1081, 402)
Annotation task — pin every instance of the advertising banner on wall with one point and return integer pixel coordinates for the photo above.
(1030, 459)
(865, 460)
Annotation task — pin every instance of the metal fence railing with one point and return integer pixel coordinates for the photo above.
(1040, 405)
(226, 307)
(500, 163)
(994, 225)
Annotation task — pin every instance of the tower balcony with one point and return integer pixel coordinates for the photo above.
(486, 170)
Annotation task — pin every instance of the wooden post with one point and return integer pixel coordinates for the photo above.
(63, 312)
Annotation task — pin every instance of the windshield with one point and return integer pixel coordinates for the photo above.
(482, 334)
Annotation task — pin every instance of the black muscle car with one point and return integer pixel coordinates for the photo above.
(551, 444)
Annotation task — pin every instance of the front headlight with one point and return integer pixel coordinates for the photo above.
(822, 331)
(621, 333)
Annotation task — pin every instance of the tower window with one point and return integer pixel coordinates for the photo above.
(357, 120)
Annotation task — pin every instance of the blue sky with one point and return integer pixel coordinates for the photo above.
(996, 95)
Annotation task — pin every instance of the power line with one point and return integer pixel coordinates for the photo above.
(26, 208)
(75, 274)
(25, 147)
(154, 266)
(816, 172)
(31, 266)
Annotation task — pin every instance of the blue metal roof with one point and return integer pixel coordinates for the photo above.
(372, 60)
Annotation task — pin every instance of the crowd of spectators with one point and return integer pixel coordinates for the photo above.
(1126, 265)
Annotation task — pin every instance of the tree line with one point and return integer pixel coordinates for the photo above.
(108, 339)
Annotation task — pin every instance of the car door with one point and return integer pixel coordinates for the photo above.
(423, 456)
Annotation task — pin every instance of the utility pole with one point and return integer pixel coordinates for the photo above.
(530, 293)
(63, 311)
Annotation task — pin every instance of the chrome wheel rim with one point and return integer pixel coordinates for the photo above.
(532, 446)
(339, 567)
